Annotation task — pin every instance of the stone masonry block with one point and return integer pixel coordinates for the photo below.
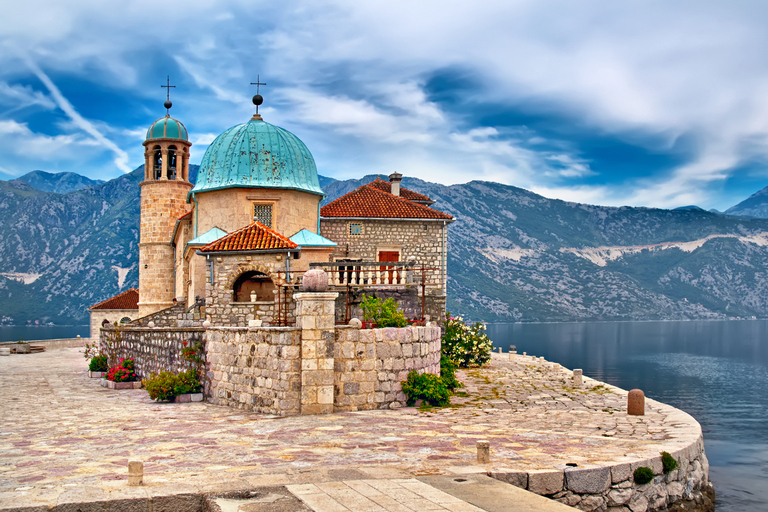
(545, 481)
(510, 476)
(593, 480)
(620, 473)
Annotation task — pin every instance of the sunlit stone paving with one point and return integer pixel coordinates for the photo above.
(61, 431)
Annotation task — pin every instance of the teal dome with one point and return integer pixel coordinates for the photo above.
(167, 128)
(257, 155)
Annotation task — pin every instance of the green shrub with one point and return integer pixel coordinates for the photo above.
(465, 345)
(448, 373)
(187, 382)
(98, 363)
(643, 475)
(161, 387)
(428, 387)
(384, 313)
(669, 462)
(167, 385)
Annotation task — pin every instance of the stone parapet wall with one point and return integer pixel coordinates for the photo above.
(408, 300)
(258, 369)
(611, 487)
(175, 316)
(153, 350)
(370, 364)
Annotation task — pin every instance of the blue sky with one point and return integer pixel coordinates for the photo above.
(642, 103)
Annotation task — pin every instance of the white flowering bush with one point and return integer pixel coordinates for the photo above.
(466, 345)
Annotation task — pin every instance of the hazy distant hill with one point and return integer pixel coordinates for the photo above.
(60, 183)
(755, 205)
(513, 255)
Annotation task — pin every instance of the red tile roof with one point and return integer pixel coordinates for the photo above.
(405, 193)
(254, 237)
(370, 202)
(129, 299)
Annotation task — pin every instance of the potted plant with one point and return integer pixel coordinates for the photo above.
(97, 366)
(122, 376)
(169, 387)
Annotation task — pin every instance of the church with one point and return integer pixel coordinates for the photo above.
(231, 249)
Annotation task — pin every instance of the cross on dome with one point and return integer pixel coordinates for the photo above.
(168, 88)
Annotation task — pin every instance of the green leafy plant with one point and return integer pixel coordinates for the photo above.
(168, 385)
(643, 475)
(428, 387)
(187, 382)
(123, 372)
(466, 345)
(98, 363)
(448, 373)
(669, 462)
(161, 386)
(384, 313)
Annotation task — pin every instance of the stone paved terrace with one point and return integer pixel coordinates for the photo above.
(64, 437)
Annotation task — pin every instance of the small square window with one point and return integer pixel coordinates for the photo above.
(263, 213)
(356, 228)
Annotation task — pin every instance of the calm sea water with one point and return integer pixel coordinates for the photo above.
(715, 371)
(43, 332)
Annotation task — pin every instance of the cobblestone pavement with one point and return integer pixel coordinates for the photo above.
(61, 430)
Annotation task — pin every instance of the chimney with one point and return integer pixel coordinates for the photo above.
(395, 178)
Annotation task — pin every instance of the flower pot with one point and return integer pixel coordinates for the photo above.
(96, 375)
(188, 397)
(121, 385)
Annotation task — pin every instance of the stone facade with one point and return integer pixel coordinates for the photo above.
(162, 203)
(418, 243)
(232, 208)
(221, 308)
(422, 242)
(175, 316)
(112, 316)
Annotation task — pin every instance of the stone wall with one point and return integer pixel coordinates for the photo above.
(153, 350)
(175, 316)
(258, 369)
(370, 364)
(613, 488)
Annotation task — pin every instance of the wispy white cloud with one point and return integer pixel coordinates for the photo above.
(121, 157)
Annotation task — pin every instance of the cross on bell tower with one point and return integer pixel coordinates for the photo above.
(168, 88)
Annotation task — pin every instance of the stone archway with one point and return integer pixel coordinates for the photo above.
(252, 278)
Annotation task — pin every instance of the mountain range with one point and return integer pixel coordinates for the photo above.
(67, 242)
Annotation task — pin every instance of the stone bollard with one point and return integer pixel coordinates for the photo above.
(577, 380)
(135, 472)
(500, 352)
(483, 452)
(525, 353)
(636, 402)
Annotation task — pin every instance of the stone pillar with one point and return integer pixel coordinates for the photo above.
(316, 317)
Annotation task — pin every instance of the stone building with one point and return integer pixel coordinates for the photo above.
(221, 263)
(237, 241)
(120, 309)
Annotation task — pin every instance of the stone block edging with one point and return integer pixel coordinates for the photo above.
(188, 398)
(602, 486)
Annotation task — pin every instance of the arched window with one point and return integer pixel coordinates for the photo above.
(125, 320)
(157, 166)
(171, 162)
(256, 282)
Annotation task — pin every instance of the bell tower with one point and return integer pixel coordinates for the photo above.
(163, 200)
